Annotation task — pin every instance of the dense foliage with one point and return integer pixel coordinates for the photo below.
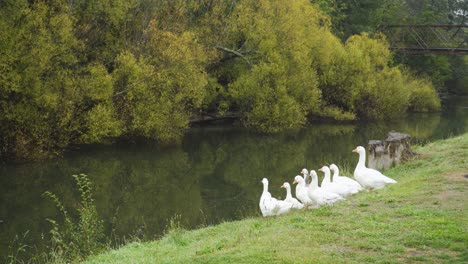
(74, 72)
(372, 16)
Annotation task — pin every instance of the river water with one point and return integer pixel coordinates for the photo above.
(213, 176)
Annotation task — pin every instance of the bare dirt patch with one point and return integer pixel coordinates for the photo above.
(453, 191)
(411, 253)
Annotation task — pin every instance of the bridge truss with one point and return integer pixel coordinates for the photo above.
(438, 39)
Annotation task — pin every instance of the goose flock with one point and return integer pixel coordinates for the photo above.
(331, 190)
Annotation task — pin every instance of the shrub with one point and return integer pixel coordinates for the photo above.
(378, 87)
(280, 87)
(423, 96)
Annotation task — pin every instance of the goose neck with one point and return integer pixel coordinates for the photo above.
(362, 160)
(314, 183)
(336, 173)
(326, 178)
(265, 187)
(288, 192)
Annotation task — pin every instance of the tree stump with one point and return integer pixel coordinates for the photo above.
(385, 153)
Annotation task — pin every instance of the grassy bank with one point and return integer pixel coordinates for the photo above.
(423, 219)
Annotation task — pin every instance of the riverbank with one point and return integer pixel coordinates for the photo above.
(422, 218)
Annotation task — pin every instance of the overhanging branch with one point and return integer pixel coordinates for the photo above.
(235, 53)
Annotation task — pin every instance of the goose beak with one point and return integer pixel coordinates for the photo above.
(355, 150)
(282, 186)
(294, 182)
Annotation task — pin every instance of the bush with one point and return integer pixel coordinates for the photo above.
(265, 101)
(280, 88)
(358, 80)
(384, 97)
(423, 96)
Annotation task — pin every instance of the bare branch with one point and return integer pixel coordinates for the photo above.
(130, 87)
(235, 53)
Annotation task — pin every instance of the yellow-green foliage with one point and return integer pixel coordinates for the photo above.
(358, 78)
(101, 121)
(102, 124)
(423, 96)
(280, 88)
(95, 71)
(266, 99)
(378, 87)
(39, 91)
(165, 86)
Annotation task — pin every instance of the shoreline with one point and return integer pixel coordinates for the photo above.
(409, 221)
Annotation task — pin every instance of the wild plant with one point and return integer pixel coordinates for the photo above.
(74, 241)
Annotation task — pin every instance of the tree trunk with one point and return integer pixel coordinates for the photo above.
(393, 150)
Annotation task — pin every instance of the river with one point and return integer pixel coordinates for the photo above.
(213, 176)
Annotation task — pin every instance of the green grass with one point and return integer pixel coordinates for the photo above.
(421, 219)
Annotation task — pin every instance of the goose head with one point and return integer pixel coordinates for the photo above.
(325, 169)
(304, 171)
(313, 173)
(333, 167)
(359, 150)
(298, 179)
(285, 185)
(264, 181)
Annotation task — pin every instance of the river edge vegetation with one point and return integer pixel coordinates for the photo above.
(422, 218)
(82, 72)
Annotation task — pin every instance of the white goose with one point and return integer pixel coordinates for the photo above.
(335, 187)
(305, 173)
(271, 206)
(369, 178)
(319, 195)
(344, 180)
(289, 199)
(301, 191)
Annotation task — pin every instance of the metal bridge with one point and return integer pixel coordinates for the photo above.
(435, 39)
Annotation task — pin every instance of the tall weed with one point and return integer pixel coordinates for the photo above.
(74, 241)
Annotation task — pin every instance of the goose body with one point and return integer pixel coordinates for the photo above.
(289, 199)
(369, 178)
(335, 187)
(270, 206)
(320, 195)
(301, 191)
(344, 180)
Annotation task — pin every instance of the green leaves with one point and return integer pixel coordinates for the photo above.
(360, 80)
(281, 88)
(102, 124)
(164, 86)
(94, 71)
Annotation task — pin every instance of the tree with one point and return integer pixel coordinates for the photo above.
(82, 72)
(159, 92)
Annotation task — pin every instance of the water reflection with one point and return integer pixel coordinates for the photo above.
(213, 176)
